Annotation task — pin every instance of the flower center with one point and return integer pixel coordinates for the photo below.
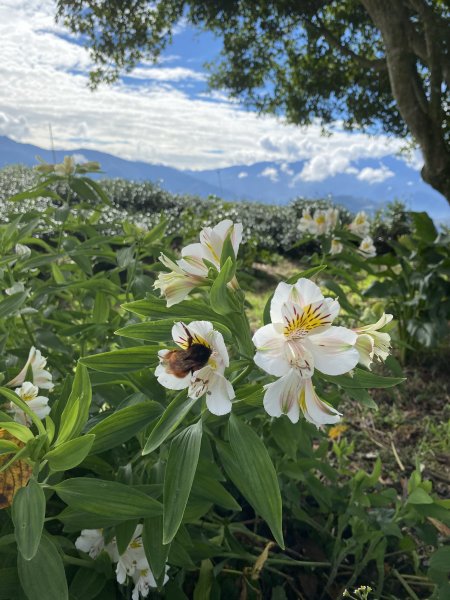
(299, 324)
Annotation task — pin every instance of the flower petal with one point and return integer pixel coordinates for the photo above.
(270, 350)
(282, 396)
(317, 411)
(333, 350)
(171, 381)
(219, 395)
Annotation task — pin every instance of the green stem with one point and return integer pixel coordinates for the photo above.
(28, 330)
(410, 591)
(248, 369)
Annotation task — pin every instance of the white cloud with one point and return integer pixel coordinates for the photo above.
(285, 168)
(44, 78)
(371, 175)
(242, 175)
(271, 173)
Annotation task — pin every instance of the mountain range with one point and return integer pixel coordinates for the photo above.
(268, 182)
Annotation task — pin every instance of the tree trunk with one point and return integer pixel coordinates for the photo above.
(422, 116)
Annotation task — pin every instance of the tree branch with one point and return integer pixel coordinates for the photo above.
(378, 64)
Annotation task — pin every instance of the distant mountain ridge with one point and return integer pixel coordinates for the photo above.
(268, 182)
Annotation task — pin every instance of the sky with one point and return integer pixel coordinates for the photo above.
(160, 114)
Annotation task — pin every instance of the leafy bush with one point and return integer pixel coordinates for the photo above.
(116, 486)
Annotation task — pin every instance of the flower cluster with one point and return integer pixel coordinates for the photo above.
(360, 226)
(132, 563)
(321, 222)
(29, 391)
(300, 340)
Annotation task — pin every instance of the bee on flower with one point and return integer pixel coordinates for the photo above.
(192, 269)
(300, 339)
(198, 366)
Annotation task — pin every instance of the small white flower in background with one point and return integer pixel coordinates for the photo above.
(198, 366)
(191, 270)
(367, 248)
(301, 338)
(372, 342)
(90, 541)
(38, 404)
(292, 393)
(360, 225)
(336, 246)
(22, 250)
(16, 288)
(322, 222)
(41, 378)
(306, 222)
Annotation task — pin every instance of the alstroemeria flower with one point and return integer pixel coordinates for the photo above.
(372, 342)
(192, 269)
(301, 335)
(22, 250)
(367, 248)
(41, 378)
(198, 366)
(292, 393)
(336, 246)
(91, 542)
(360, 225)
(38, 404)
(306, 221)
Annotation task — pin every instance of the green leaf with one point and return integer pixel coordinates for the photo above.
(86, 584)
(76, 411)
(117, 500)
(420, 496)
(28, 513)
(11, 304)
(257, 478)
(212, 490)
(157, 308)
(43, 576)
(150, 331)
(155, 551)
(180, 472)
(124, 534)
(222, 299)
(204, 584)
(123, 361)
(21, 432)
(424, 226)
(305, 274)
(69, 454)
(15, 399)
(169, 421)
(363, 379)
(122, 425)
(440, 560)
(9, 583)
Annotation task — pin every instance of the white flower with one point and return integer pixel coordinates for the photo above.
(292, 393)
(301, 336)
(144, 580)
(22, 250)
(332, 217)
(67, 167)
(306, 223)
(321, 224)
(90, 541)
(38, 404)
(336, 246)
(360, 225)
(192, 269)
(41, 378)
(372, 342)
(16, 288)
(198, 366)
(367, 248)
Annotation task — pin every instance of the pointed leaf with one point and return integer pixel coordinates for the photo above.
(28, 512)
(43, 576)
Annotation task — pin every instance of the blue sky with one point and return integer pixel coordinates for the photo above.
(160, 114)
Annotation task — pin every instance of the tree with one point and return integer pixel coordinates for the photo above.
(379, 65)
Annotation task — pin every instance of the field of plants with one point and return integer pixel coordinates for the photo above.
(204, 399)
